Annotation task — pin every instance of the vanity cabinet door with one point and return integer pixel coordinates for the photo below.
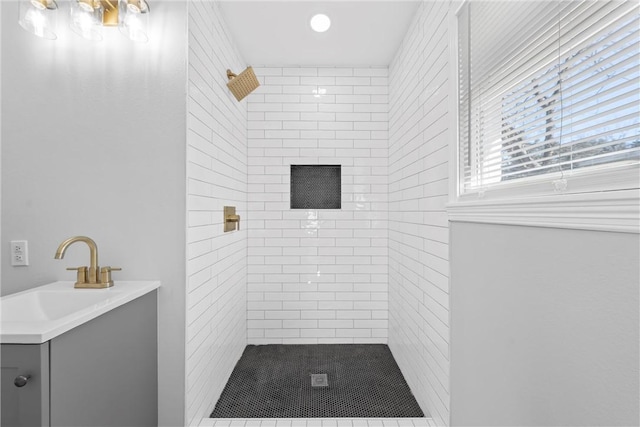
(25, 385)
(104, 372)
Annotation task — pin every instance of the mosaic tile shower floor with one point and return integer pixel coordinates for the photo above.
(274, 381)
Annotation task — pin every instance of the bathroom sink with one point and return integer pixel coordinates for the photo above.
(40, 314)
(48, 305)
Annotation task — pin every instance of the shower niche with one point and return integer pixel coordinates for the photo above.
(316, 186)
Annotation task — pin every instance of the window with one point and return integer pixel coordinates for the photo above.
(549, 97)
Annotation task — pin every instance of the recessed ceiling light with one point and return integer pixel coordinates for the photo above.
(320, 23)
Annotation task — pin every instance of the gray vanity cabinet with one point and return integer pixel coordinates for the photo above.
(101, 373)
(25, 385)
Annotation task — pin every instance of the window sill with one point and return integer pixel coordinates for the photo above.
(613, 211)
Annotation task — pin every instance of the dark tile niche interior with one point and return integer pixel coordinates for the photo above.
(316, 186)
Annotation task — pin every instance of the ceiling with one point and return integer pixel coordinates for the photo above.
(277, 33)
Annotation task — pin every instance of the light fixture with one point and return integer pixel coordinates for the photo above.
(133, 19)
(320, 23)
(39, 17)
(86, 18)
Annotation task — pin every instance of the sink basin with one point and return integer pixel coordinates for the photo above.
(40, 314)
(47, 305)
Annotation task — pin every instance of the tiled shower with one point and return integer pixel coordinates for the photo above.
(315, 275)
(374, 271)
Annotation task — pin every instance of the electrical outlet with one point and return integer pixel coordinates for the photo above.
(19, 253)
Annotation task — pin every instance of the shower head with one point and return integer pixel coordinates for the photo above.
(242, 84)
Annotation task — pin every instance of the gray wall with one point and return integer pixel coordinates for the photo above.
(93, 143)
(544, 326)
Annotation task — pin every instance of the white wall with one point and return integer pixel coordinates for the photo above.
(545, 326)
(217, 177)
(318, 276)
(93, 138)
(418, 193)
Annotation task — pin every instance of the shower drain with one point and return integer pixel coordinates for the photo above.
(319, 380)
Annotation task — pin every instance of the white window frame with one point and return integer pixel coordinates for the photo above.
(602, 199)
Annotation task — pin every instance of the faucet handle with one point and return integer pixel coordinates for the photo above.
(105, 274)
(82, 274)
(231, 220)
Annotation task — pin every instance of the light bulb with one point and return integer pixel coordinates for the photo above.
(86, 19)
(134, 19)
(320, 23)
(84, 24)
(137, 6)
(38, 4)
(39, 18)
(86, 7)
(135, 29)
(133, 8)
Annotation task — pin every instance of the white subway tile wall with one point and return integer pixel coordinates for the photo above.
(318, 276)
(216, 176)
(418, 225)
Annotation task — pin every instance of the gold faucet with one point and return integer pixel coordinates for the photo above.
(92, 276)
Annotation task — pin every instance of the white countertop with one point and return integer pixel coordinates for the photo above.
(40, 314)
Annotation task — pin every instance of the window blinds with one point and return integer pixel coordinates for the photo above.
(545, 89)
